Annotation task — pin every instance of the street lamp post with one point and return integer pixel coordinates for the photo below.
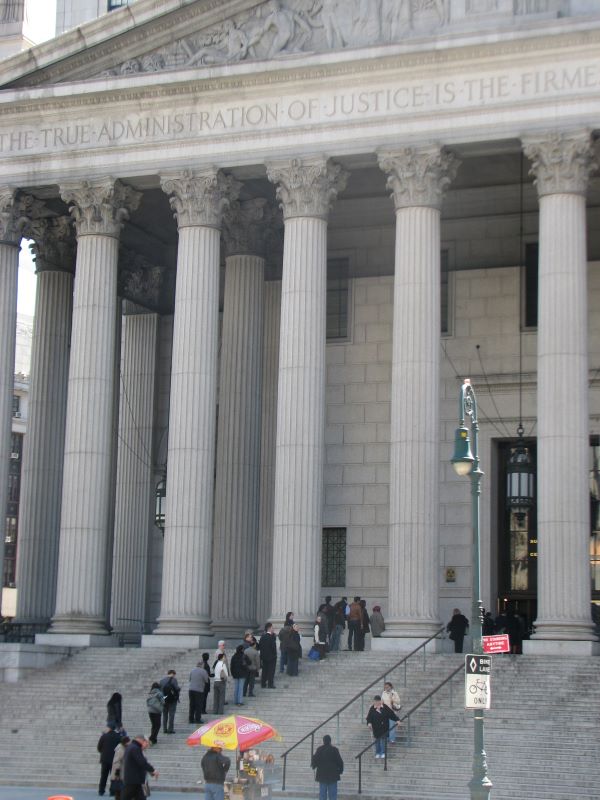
(466, 462)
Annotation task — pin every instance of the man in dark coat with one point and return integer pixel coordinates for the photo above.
(268, 657)
(135, 768)
(378, 719)
(106, 747)
(329, 766)
(214, 768)
(457, 627)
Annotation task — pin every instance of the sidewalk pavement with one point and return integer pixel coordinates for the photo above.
(39, 793)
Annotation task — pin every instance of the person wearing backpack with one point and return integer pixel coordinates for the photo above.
(155, 703)
(170, 690)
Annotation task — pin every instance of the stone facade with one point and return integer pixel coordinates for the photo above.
(220, 162)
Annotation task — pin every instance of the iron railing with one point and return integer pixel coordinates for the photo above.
(336, 715)
(21, 632)
(407, 718)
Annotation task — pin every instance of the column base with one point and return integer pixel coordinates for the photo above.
(404, 644)
(399, 628)
(560, 647)
(179, 641)
(76, 625)
(76, 639)
(183, 626)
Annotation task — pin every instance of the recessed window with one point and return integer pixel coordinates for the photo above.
(112, 4)
(337, 300)
(333, 557)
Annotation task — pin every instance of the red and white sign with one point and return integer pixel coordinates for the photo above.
(496, 644)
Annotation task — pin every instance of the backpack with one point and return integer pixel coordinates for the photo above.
(171, 693)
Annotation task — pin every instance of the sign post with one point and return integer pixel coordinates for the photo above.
(477, 681)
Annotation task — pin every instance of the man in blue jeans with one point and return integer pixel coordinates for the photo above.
(214, 768)
(329, 766)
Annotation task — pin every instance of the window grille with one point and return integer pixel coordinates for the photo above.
(333, 557)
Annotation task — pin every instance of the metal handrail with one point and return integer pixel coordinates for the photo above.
(337, 713)
(407, 717)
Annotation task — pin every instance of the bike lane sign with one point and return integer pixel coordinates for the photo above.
(477, 681)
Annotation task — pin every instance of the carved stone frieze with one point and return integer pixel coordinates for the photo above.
(248, 226)
(200, 197)
(307, 187)
(418, 176)
(54, 246)
(278, 28)
(140, 281)
(561, 162)
(100, 206)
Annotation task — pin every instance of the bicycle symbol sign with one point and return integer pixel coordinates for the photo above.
(477, 681)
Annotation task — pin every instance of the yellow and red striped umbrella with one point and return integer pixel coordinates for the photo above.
(233, 733)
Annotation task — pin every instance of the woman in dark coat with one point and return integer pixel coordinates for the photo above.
(114, 711)
(363, 628)
(457, 627)
(294, 651)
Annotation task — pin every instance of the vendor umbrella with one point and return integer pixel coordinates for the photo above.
(233, 733)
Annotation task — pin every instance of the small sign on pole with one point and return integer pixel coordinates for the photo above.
(477, 681)
(499, 643)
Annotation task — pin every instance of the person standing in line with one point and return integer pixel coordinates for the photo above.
(294, 651)
(239, 673)
(253, 657)
(284, 637)
(378, 721)
(116, 772)
(170, 690)
(377, 622)
(391, 699)
(320, 636)
(210, 674)
(268, 657)
(354, 620)
(114, 711)
(106, 746)
(220, 685)
(339, 623)
(329, 766)
(457, 627)
(155, 702)
(328, 614)
(135, 768)
(198, 679)
(221, 648)
(214, 769)
(363, 628)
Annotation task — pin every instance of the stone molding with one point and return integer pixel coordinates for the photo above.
(198, 198)
(248, 226)
(54, 246)
(307, 187)
(418, 176)
(100, 207)
(561, 162)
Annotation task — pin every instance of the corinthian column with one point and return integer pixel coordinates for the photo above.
(561, 165)
(306, 188)
(245, 229)
(99, 209)
(39, 523)
(10, 238)
(272, 317)
(417, 178)
(198, 200)
(134, 495)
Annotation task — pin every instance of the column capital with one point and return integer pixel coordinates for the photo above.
(100, 206)
(561, 162)
(140, 281)
(307, 187)
(247, 226)
(418, 176)
(199, 197)
(15, 212)
(54, 246)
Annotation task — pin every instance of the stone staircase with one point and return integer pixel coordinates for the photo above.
(541, 733)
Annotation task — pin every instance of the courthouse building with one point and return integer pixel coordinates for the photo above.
(272, 239)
